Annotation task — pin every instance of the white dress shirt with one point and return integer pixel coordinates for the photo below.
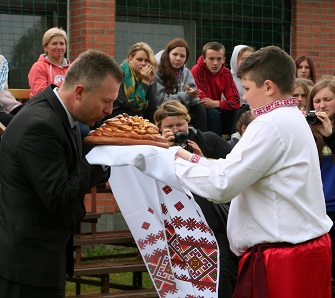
(272, 176)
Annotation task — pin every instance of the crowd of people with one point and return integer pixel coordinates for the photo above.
(267, 190)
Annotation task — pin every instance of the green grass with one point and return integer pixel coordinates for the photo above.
(119, 278)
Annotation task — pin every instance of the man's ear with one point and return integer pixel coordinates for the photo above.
(270, 86)
(79, 90)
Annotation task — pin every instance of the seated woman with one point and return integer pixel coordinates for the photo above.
(51, 66)
(172, 117)
(137, 92)
(175, 81)
(8, 103)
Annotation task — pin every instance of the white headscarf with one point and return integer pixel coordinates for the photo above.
(233, 69)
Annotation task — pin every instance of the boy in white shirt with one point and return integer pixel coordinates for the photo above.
(277, 220)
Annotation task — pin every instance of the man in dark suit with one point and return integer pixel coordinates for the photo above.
(44, 178)
(5, 118)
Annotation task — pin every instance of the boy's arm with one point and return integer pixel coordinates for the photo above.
(194, 72)
(230, 93)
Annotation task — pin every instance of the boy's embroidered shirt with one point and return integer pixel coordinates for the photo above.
(285, 102)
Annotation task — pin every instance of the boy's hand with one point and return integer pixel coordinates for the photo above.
(210, 103)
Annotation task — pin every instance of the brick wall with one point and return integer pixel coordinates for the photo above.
(105, 203)
(92, 26)
(313, 33)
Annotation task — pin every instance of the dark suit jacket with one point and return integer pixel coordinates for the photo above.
(5, 118)
(43, 183)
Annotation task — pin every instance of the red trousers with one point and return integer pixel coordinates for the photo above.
(286, 270)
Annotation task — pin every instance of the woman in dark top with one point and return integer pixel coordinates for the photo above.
(322, 99)
(171, 118)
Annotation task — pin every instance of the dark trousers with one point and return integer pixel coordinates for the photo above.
(220, 122)
(198, 117)
(216, 218)
(10, 289)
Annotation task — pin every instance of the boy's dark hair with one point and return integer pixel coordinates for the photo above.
(270, 63)
(213, 45)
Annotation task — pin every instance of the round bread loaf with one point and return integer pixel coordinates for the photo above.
(127, 130)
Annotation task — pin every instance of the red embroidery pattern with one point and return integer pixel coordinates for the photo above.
(151, 210)
(189, 223)
(167, 189)
(183, 249)
(194, 158)
(161, 271)
(151, 239)
(286, 102)
(164, 209)
(145, 225)
(179, 206)
(198, 257)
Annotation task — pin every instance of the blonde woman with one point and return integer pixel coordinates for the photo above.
(137, 92)
(51, 66)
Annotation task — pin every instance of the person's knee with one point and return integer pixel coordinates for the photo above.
(214, 121)
(214, 113)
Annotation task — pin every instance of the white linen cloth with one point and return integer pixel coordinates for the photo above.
(273, 178)
(177, 245)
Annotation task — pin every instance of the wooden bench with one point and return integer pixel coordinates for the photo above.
(106, 267)
(102, 266)
(102, 270)
(129, 294)
(119, 237)
(22, 95)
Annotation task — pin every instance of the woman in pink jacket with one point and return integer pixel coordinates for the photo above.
(51, 66)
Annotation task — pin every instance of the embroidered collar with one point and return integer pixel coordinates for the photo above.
(285, 102)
